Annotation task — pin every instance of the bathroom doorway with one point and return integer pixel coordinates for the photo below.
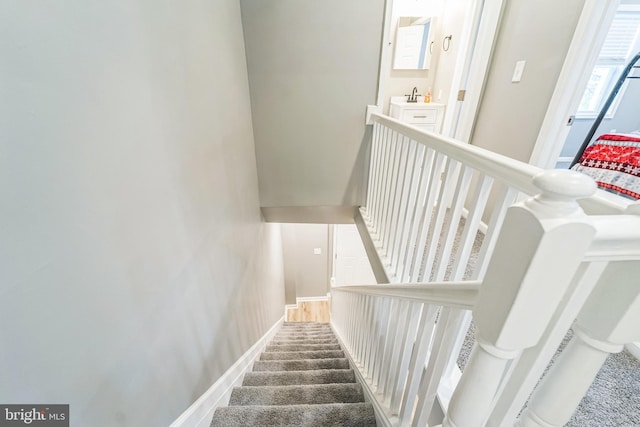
(464, 35)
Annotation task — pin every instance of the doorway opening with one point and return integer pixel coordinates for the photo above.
(621, 44)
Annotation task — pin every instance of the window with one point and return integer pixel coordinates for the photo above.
(620, 45)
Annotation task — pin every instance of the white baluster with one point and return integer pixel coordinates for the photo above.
(447, 188)
(388, 343)
(371, 342)
(459, 198)
(364, 330)
(417, 362)
(405, 238)
(391, 182)
(528, 275)
(380, 341)
(397, 199)
(471, 226)
(373, 172)
(429, 205)
(409, 342)
(399, 333)
(385, 176)
(448, 324)
(504, 197)
(405, 194)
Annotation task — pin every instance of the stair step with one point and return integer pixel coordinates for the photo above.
(296, 355)
(342, 414)
(325, 336)
(288, 342)
(302, 347)
(297, 394)
(299, 365)
(305, 331)
(306, 328)
(322, 376)
(305, 324)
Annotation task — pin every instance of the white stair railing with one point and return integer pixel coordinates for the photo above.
(422, 187)
(603, 309)
(393, 333)
(542, 264)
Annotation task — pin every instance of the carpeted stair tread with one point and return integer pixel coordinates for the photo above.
(303, 329)
(289, 342)
(333, 414)
(312, 335)
(304, 323)
(301, 347)
(306, 328)
(320, 376)
(302, 379)
(299, 365)
(297, 340)
(297, 394)
(295, 355)
(302, 338)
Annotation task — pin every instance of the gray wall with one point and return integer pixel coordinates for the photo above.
(134, 267)
(625, 120)
(306, 273)
(313, 68)
(511, 114)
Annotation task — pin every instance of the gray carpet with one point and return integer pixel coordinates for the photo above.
(302, 379)
(613, 400)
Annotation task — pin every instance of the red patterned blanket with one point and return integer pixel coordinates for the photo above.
(613, 160)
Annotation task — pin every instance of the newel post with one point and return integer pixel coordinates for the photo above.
(608, 320)
(540, 247)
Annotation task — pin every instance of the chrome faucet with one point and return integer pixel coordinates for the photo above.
(414, 95)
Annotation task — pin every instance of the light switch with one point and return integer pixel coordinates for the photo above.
(518, 70)
(317, 251)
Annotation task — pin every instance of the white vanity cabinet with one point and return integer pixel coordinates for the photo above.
(427, 116)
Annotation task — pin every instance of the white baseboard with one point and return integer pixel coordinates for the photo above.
(199, 414)
(303, 299)
(296, 306)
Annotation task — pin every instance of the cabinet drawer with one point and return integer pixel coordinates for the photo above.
(419, 115)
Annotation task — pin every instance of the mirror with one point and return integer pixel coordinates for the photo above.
(413, 42)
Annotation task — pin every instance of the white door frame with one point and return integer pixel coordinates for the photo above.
(589, 36)
(473, 65)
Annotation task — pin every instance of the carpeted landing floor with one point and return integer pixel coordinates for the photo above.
(302, 379)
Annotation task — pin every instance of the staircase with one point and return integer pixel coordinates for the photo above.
(302, 379)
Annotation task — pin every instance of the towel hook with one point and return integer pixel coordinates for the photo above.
(446, 42)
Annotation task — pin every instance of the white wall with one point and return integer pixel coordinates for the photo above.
(510, 114)
(134, 267)
(313, 68)
(306, 273)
